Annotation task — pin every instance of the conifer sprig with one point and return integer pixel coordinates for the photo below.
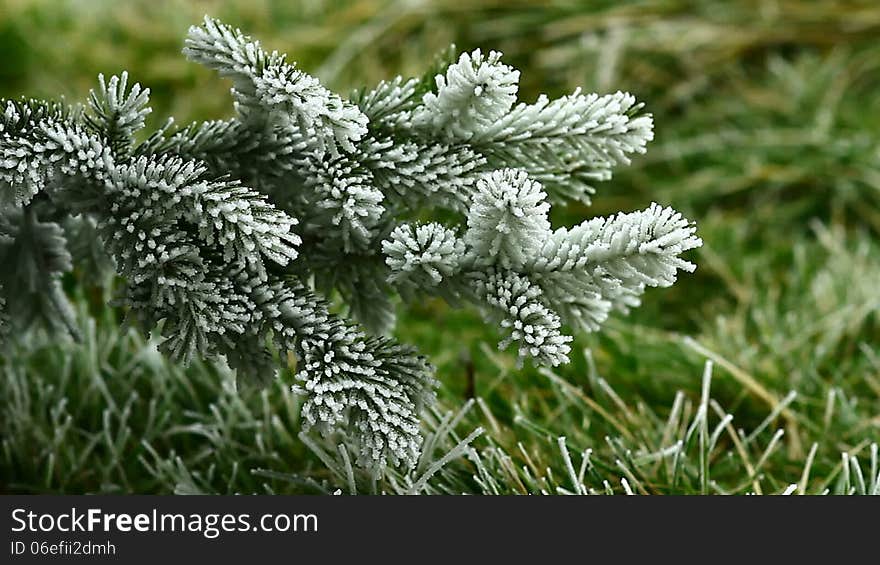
(227, 233)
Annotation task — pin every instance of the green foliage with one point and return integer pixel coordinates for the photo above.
(766, 118)
(114, 415)
(207, 246)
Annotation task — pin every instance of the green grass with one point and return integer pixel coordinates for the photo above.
(767, 127)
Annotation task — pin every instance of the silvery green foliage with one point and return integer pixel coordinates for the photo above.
(531, 278)
(421, 256)
(507, 222)
(34, 258)
(227, 233)
(471, 95)
(268, 90)
(116, 111)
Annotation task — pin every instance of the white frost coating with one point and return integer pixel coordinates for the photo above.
(268, 88)
(507, 221)
(638, 247)
(228, 232)
(532, 326)
(471, 95)
(584, 134)
(117, 111)
(346, 193)
(422, 256)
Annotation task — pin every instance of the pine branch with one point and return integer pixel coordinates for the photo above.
(507, 220)
(192, 252)
(25, 169)
(115, 114)
(641, 248)
(35, 257)
(267, 89)
(532, 326)
(472, 94)
(421, 257)
(229, 234)
(583, 135)
(509, 262)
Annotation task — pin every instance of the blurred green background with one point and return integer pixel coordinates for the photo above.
(767, 134)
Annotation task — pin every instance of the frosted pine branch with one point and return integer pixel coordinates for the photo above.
(34, 255)
(230, 234)
(472, 94)
(639, 246)
(507, 220)
(512, 264)
(267, 89)
(531, 325)
(422, 256)
(117, 113)
(580, 136)
(390, 103)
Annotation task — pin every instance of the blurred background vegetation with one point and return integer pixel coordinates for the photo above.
(767, 120)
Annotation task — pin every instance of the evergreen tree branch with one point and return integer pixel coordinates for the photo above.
(227, 233)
